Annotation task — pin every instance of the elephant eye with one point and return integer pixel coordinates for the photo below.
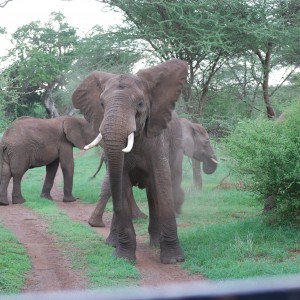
(141, 103)
(102, 104)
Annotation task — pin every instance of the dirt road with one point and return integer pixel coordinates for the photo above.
(51, 271)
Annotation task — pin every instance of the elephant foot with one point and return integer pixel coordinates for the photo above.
(47, 196)
(96, 222)
(4, 201)
(171, 255)
(18, 200)
(128, 254)
(69, 199)
(111, 239)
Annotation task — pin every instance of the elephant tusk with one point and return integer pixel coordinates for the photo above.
(94, 143)
(214, 160)
(130, 143)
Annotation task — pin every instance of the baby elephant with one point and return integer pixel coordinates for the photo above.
(31, 142)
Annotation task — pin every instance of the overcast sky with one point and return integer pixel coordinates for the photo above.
(82, 14)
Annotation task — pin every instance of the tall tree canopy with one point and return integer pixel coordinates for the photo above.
(41, 56)
(208, 33)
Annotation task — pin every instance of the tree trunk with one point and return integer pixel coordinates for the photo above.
(213, 69)
(266, 63)
(50, 105)
(269, 204)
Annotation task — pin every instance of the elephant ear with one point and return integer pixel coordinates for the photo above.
(86, 97)
(73, 129)
(163, 84)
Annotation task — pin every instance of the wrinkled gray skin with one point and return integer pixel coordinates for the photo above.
(195, 144)
(31, 142)
(143, 104)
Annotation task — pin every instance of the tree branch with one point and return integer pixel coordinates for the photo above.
(3, 3)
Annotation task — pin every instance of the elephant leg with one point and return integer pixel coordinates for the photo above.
(178, 193)
(67, 166)
(122, 230)
(96, 219)
(197, 175)
(51, 170)
(136, 213)
(17, 197)
(153, 227)
(5, 178)
(170, 250)
(112, 237)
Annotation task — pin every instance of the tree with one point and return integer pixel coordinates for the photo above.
(8, 101)
(208, 33)
(181, 29)
(264, 27)
(106, 50)
(42, 55)
(100, 50)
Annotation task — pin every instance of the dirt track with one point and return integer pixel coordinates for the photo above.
(51, 271)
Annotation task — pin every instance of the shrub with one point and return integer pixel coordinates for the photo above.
(266, 155)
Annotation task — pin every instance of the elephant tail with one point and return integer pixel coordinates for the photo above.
(99, 167)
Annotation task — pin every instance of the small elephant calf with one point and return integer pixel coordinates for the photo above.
(31, 142)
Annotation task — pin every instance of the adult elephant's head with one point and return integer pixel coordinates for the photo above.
(78, 131)
(124, 107)
(196, 145)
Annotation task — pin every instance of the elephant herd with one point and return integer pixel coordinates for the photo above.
(132, 117)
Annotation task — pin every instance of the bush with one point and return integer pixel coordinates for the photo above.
(266, 156)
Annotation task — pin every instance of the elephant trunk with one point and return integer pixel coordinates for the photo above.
(115, 131)
(210, 164)
(115, 163)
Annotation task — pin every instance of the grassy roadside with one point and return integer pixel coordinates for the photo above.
(222, 231)
(81, 244)
(225, 236)
(14, 262)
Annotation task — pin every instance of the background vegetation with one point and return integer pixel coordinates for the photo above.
(234, 50)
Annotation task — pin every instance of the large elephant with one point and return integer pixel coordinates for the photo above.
(31, 142)
(137, 110)
(195, 145)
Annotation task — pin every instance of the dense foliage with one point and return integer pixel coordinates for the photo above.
(266, 156)
(214, 36)
(232, 47)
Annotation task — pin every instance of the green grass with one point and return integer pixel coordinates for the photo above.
(14, 263)
(241, 249)
(85, 188)
(222, 231)
(224, 234)
(85, 249)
